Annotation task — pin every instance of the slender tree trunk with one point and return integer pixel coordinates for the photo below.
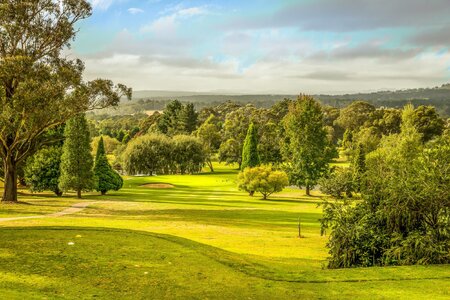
(251, 193)
(79, 194)
(10, 190)
(308, 192)
(209, 163)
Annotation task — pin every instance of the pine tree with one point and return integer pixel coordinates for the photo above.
(359, 166)
(306, 147)
(76, 161)
(188, 118)
(250, 157)
(108, 179)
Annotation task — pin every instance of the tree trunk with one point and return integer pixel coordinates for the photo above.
(251, 193)
(308, 192)
(103, 193)
(209, 163)
(264, 196)
(10, 190)
(79, 194)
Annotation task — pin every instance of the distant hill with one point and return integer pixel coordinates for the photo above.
(156, 100)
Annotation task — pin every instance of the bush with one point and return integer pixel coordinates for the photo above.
(42, 170)
(262, 179)
(339, 182)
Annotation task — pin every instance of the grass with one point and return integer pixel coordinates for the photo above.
(200, 239)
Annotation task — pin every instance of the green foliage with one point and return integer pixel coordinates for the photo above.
(42, 170)
(262, 179)
(107, 178)
(250, 156)
(337, 183)
(209, 134)
(428, 122)
(306, 147)
(355, 115)
(76, 160)
(347, 140)
(235, 130)
(359, 167)
(188, 118)
(158, 154)
(41, 88)
(404, 216)
(110, 144)
(187, 154)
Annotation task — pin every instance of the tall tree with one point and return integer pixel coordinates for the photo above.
(76, 161)
(250, 156)
(188, 118)
(307, 149)
(107, 178)
(39, 87)
(209, 134)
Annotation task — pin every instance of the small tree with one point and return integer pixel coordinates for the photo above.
(262, 179)
(42, 170)
(250, 157)
(108, 179)
(76, 160)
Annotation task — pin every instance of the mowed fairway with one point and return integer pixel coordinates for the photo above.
(200, 239)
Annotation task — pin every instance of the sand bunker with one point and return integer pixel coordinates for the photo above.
(158, 186)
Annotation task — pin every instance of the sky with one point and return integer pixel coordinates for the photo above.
(270, 46)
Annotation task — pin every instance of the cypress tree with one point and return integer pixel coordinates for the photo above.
(108, 179)
(250, 157)
(76, 159)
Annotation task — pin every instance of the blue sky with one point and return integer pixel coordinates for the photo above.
(255, 46)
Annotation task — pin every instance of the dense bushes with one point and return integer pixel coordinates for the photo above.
(159, 154)
(404, 215)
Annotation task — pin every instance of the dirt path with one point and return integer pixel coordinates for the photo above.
(68, 211)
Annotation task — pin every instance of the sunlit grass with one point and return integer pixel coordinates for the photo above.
(217, 231)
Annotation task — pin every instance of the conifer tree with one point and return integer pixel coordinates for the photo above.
(188, 118)
(108, 179)
(250, 157)
(76, 161)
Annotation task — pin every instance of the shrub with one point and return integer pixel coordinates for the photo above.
(339, 182)
(262, 179)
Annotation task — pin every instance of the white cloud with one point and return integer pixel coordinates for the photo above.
(168, 24)
(135, 11)
(101, 4)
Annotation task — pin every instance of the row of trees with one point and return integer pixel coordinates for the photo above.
(71, 166)
(160, 154)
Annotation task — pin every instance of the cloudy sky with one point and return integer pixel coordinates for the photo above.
(267, 46)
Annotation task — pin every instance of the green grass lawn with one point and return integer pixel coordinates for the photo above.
(200, 239)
